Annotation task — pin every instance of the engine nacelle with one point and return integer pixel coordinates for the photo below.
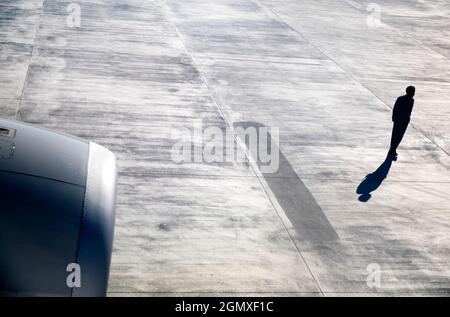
(57, 210)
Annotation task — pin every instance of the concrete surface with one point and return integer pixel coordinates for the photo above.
(135, 71)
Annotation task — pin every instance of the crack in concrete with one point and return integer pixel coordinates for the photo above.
(41, 9)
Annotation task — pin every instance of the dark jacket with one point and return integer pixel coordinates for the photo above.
(403, 108)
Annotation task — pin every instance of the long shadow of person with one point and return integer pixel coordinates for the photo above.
(373, 180)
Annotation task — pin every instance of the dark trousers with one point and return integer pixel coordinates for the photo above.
(398, 131)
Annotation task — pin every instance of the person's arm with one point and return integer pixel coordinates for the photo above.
(412, 106)
(396, 109)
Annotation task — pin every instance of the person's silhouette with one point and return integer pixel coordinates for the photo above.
(401, 117)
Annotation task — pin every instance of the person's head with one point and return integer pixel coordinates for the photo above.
(410, 91)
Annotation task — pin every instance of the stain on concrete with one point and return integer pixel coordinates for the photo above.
(300, 206)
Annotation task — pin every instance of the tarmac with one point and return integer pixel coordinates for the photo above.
(334, 219)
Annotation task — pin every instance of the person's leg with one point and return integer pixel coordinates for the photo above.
(402, 129)
(398, 132)
(395, 140)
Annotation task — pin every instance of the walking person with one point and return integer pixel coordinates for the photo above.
(400, 117)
